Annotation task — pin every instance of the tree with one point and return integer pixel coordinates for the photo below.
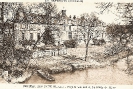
(48, 37)
(9, 36)
(118, 33)
(10, 54)
(88, 24)
(123, 34)
(51, 18)
(122, 10)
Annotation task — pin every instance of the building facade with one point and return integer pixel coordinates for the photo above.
(32, 26)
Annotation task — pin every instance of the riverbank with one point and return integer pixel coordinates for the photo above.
(50, 65)
(107, 75)
(71, 64)
(54, 65)
(87, 72)
(66, 64)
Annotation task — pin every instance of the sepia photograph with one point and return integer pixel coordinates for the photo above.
(66, 42)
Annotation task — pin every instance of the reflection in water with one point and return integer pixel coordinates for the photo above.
(107, 75)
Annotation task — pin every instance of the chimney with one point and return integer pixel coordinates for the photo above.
(63, 12)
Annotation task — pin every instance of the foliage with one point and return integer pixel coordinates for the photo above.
(23, 56)
(114, 49)
(121, 10)
(51, 18)
(88, 23)
(8, 41)
(119, 33)
(17, 73)
(48, 37)
(115, 29)
(23, 53)
(70, 43)
(99, 41)
(27, 42)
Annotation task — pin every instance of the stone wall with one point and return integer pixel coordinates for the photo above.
(39, 54)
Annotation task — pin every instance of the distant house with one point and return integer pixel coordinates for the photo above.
(31, 26)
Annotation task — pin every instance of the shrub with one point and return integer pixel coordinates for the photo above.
(27, 42)
(99, 41)
(114, 49)
(70, 43)
(23, 55)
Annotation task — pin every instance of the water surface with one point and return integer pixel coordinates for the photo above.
(108, 75)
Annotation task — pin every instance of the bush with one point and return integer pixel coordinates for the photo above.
(27, 42)
(70, 43)
(99, 41)
(102, 41)
(114, 49)
(22, 55)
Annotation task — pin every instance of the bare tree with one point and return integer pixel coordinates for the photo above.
(122, 32)
(121, 10)
(88, 23)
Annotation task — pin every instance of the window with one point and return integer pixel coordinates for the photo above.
(70, 35)
(75, 36)
(31, 36)
(22, 36)
(70, 28)
(38, 36)
(23, 26)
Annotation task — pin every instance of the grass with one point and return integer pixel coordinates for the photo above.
(96, 57)
(73, 61)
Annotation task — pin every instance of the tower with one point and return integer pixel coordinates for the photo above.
(64, 19)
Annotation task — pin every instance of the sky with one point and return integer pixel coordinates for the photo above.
(78, 8)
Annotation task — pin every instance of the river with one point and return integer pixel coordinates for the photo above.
(108, 75)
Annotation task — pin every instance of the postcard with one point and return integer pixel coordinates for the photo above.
(70, 44)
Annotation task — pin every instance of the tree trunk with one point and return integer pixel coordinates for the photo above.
(2, 21)
(86, 52)
(58, 48)
(87, 44)
(128, 61)
(58, 51)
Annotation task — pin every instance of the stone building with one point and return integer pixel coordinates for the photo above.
(31, 26)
